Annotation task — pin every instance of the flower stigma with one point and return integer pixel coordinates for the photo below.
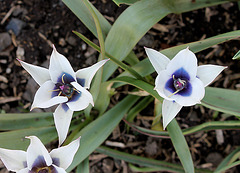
(178, 84)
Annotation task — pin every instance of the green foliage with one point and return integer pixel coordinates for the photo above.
(116, 43)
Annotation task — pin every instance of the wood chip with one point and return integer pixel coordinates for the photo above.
(3, 79)
(9, 99)
(115, 144)
(8, 14)
(160, 27)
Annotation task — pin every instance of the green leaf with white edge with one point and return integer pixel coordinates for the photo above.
(145, 68)
(16, 139)
(223, 100)
(234, 155)
(214, 125)
(80, 10)
(237, 55)
(181, 146)
(228, 167)
(11, 121)
(128, 2)
(83, 167)
(142, 161)
(96, 132)
(137, 19)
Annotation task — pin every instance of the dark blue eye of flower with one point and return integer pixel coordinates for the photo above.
(64, 88)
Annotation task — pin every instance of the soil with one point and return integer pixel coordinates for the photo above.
(50, 22)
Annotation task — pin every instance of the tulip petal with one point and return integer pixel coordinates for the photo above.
(169, 110)
(81, 99)
(59, 65)
(58, 169)
(207, 73)
(44, 96)
(34, 71)
(158, 60)
(184, 63)
(37, 154)
(14, 160)
(25, 170)
(63, 156)
(197, 94)
(160, 82)
(62, 119)
(85, 75)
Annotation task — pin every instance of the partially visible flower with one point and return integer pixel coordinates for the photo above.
(37, 159)
(180, 81)
(61, 85)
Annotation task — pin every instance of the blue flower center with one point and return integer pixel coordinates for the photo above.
(179, 83)
(64, 88)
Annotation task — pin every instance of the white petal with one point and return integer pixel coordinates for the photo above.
(37, 153)
(158, 60)
(59, 65)
(62, 119)
(186, 62)
(14, 160)
(197, 94)
(169, 110)
(43, 97)
(207, 73)
(58, 169)
(85, 75)
(81, 102)
(25, 170)
(64, 155)
(35, 72)
(160, 83)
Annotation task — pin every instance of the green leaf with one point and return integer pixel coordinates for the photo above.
(20, 121)
(130, 158)
(96, 132)
(237, 55)
(181, 146)
(143, 161)
(214, 125)
(80, 10)
(145, 68)
(104, 94)
(139, 84)
(234, 155)
(83, 167)
(228, 167)
(138, 108)
(137, 19)
(113, 59)
(16, 139)
(128, 2)
(224, 100)
(143, 169)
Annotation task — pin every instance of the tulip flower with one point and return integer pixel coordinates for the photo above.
(37, 159)
(61, 85)
(180, 81)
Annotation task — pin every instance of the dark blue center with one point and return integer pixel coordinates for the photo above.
(182, 75)
(63, 87)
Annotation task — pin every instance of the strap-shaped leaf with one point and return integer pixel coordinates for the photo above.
(137, 19)
(97, 131)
